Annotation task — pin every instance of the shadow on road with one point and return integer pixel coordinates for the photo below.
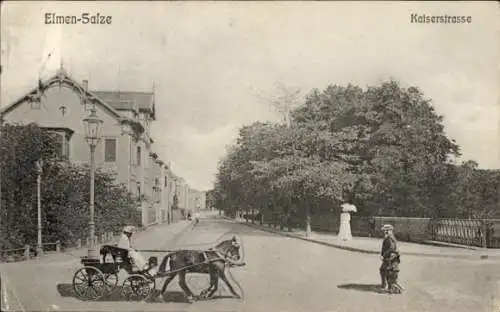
(66, 290)
(362, 287)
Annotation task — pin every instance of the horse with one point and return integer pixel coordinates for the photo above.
(212, 261)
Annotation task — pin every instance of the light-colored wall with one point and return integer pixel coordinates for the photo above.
(49, 114)
(203, 203)
(196, 200)
(169, 191)
(156, 173)
(126, 167)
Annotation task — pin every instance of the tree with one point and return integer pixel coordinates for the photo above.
(383, 149)
(20, 148)
(284, 100)
(65, 192)
(392, 139)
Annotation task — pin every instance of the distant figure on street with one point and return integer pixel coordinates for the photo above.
(372, 227)
(345, 221)
(124, 243)
(389, 255)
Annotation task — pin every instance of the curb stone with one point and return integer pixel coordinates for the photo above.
(365, 251)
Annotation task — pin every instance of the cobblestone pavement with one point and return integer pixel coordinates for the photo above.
(282, 274)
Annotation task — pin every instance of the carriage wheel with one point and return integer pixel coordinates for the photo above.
(111, 281)
(89, 283)
(138, 287)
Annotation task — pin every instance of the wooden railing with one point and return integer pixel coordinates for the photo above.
(28, 252)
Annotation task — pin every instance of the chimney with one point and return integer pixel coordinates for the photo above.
(85, 84)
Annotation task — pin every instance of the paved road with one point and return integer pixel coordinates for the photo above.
(282, 274)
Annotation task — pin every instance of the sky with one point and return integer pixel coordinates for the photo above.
(213, 63)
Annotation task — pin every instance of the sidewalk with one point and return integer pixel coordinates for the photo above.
(154, 237)
(372, 245)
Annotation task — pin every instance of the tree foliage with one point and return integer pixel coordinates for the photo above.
(64, 192)
(383, 148)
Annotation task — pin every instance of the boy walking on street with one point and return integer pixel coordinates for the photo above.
(389, 269)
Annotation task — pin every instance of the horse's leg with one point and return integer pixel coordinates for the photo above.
(214, 282)
(224, 278)
(204, 292)
(167, 281)
(214, 278)
(184, 286)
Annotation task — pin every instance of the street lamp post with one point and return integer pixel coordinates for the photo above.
(93, 127)
(39, 246)
(1, 211)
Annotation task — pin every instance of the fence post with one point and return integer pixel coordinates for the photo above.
(484, 229)
(58, 246)
(27, 252)
(79, 243)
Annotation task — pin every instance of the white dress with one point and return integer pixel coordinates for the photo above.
(345, 226)
(136, 257)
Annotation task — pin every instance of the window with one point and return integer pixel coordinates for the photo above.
(36, 103)
(166, 181)
(157, 181)
(61, 141)
(138, 155)
(59, 144)
(109, 150)
(88, 105)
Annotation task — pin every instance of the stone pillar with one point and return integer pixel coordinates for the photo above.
(27, 252)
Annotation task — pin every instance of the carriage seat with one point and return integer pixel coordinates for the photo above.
(115, 252)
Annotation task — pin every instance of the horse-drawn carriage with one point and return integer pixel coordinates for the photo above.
(99, 278)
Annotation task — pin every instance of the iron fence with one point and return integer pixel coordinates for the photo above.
(469, 232)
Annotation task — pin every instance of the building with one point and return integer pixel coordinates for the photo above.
(197, 201)
(60, 104)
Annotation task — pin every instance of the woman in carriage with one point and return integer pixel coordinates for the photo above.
(130, 253)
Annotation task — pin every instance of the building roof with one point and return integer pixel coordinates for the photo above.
(62, 78)
(127, 100)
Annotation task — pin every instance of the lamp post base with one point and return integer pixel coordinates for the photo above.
(39, 251)
(92, 253)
